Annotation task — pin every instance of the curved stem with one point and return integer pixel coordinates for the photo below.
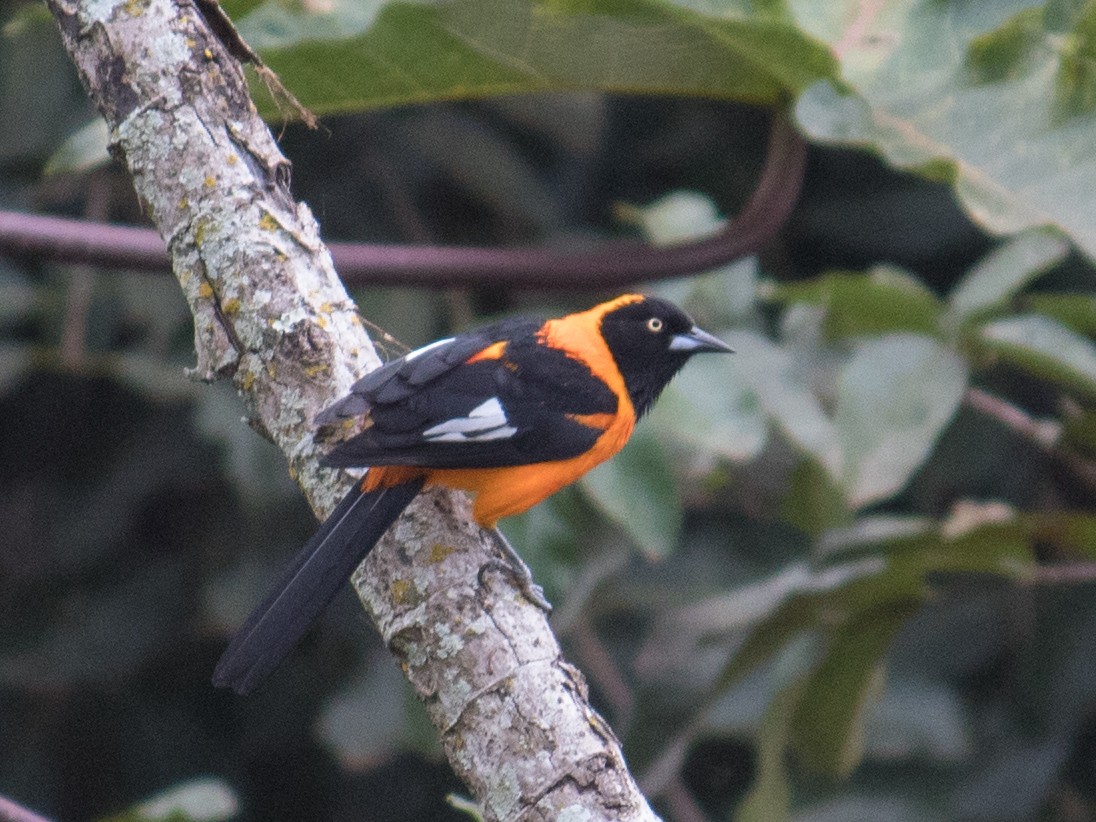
(612, 264)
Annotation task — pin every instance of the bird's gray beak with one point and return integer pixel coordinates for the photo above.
(696, 340)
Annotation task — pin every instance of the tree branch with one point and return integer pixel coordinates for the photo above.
(613, 264)
(270, 312)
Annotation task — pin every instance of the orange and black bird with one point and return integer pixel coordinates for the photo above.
(511, 413)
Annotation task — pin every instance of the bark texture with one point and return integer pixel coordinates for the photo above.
(270, 313)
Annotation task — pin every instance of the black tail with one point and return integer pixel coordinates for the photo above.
(308, 583)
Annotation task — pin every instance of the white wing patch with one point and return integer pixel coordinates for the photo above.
(487, 421)
(418, 352)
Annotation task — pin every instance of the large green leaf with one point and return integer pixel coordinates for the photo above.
(894, 397)
(982, 538)
(791, 602)
(201, 799)
(814, 501)
(1071, 533)
(372, 717)
(397, 53)
(995, 98)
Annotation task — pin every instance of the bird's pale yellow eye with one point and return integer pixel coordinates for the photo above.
(654, 325)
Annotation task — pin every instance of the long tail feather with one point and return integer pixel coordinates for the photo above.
(308, 583)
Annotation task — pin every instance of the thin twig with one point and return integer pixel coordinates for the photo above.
(1044, 434)
(81, 284)
(611, 265)
(11, 812)
(1073, 573)
(683, 807)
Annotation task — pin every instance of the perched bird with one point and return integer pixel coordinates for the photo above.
(512, 413)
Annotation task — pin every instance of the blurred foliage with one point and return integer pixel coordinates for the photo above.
(844, 574)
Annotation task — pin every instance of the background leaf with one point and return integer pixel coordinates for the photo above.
(1076, 311)
(885, 300)
(636, 491)
(1046, 349)
(469, 48)
(1002, 274)
(894, 398)
(989, 98)
(828, 726)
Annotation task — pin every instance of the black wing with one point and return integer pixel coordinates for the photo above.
(433, 408)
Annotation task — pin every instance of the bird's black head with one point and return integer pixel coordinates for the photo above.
(651, 339)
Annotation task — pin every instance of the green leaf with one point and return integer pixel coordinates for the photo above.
(547, 538)
(372, 718)
(1078, 432)
(827, 730)
(636, 490)
(1006, 271)
(885, 300)
(271, 24)
(785, 605)
(1065, 530)
(418, 52)
(894, 398)
(465, 805)
(814, 502)
(1001, 107)
(1044, 348)
(18, 298)
(1007, 52)
(83, 150)
(1014, 781)
(769, 799)
(884, 562)
(199, 800)
(1076, 311)
(15, 361)
(677, 217)
(918, 717)
(987, 538)
(871, 534)
(705, 408)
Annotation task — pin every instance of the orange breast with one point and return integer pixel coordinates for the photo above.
(503, 492)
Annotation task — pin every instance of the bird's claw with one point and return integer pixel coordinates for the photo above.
(522, 575)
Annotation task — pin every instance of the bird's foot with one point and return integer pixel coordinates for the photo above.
(522, 575)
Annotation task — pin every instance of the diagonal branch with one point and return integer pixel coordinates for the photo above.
(611, 265)
(269, 312)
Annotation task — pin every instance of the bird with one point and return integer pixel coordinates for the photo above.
(511, 413)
